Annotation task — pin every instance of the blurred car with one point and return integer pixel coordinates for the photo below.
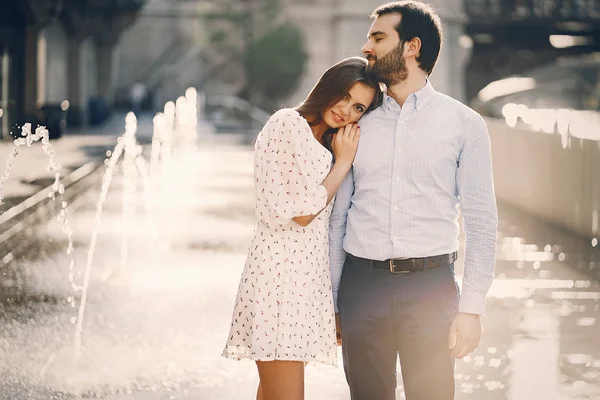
(567, 83)
(230, 114)
(561, 97)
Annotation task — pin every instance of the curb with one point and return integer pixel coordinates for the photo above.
(18, 222)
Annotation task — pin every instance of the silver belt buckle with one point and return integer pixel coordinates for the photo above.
(392, 266)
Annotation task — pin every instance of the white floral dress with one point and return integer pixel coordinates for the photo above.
(284, 306)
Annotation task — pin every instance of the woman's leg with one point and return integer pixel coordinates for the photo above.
(259, 393)
(281, 380)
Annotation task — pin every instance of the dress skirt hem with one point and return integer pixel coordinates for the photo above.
(241, 353)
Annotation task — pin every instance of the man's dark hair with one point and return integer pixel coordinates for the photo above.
(418, 20)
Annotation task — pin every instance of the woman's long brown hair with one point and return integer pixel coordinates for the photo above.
(335, 83)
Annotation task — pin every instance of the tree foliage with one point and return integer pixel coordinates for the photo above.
(275, 63)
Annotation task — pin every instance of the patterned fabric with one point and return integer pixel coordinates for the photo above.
(284, 306)
(415, 166)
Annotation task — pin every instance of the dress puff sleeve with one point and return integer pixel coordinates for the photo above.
(287, 182)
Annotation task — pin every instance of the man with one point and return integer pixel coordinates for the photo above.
(394, 228)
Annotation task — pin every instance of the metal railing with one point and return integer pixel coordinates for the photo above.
(17, 223)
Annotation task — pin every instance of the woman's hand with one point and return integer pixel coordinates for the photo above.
(338, 329)
(345, 144)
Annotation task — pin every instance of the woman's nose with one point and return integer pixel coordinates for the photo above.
(346, 109)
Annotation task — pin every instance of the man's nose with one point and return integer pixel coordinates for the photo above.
(366, 50)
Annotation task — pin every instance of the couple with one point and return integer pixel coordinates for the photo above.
(375, 267)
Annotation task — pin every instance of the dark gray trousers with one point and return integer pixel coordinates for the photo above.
(385, 315)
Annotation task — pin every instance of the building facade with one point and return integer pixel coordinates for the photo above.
(484, 40)
(58, 52)
(164, 48)
(335, 29)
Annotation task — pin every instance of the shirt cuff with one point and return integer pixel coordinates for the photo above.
(472, 302)
(335, 306)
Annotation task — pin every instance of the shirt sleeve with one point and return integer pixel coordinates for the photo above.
(337, 233)
(480, 217)
(287, 183)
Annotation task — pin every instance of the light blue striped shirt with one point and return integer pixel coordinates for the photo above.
(414, 167)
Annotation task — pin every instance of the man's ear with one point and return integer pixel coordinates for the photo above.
(412, 48)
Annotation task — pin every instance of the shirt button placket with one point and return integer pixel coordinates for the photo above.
(396, 177)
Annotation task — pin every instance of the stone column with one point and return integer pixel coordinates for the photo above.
(76, 114)
(317, 27)
(108, 64)
(448, 76)
(30, 97)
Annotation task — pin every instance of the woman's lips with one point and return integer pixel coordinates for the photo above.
(337, 118)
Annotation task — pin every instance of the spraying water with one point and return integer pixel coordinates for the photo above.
(27, 139)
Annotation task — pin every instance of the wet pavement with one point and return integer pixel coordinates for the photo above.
(155, 323)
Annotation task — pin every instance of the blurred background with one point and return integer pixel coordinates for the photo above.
(94, 56)
(530, 67)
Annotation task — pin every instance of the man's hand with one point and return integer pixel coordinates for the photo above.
(338, 329)
(465, 334)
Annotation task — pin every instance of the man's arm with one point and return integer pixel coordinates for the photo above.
(480, 219)
(337, 232)
(475, 185)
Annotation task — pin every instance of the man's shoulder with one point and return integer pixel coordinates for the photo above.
(373, 116)
(456, 107)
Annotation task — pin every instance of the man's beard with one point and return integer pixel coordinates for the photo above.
(391, 68)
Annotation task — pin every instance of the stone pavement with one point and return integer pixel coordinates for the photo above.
(154, 327)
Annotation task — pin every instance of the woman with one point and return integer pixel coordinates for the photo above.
(283, 316)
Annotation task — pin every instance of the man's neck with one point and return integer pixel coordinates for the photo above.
(415, 82)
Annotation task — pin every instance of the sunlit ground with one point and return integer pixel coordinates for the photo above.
(154, 328)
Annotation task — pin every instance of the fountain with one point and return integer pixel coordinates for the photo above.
(153, 177)
(27, 139)
(145, 183)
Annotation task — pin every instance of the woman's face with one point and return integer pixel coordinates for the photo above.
(351, 107)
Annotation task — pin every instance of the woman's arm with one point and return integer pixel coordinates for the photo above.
(332, 183)
(344, 144)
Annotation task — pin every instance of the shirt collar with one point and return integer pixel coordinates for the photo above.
(390, 104)
(418, 99)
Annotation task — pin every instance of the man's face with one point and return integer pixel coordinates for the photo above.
(384, 50)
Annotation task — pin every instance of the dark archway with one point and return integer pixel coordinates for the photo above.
(12, 61)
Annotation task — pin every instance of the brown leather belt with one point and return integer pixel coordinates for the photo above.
(409, 265)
